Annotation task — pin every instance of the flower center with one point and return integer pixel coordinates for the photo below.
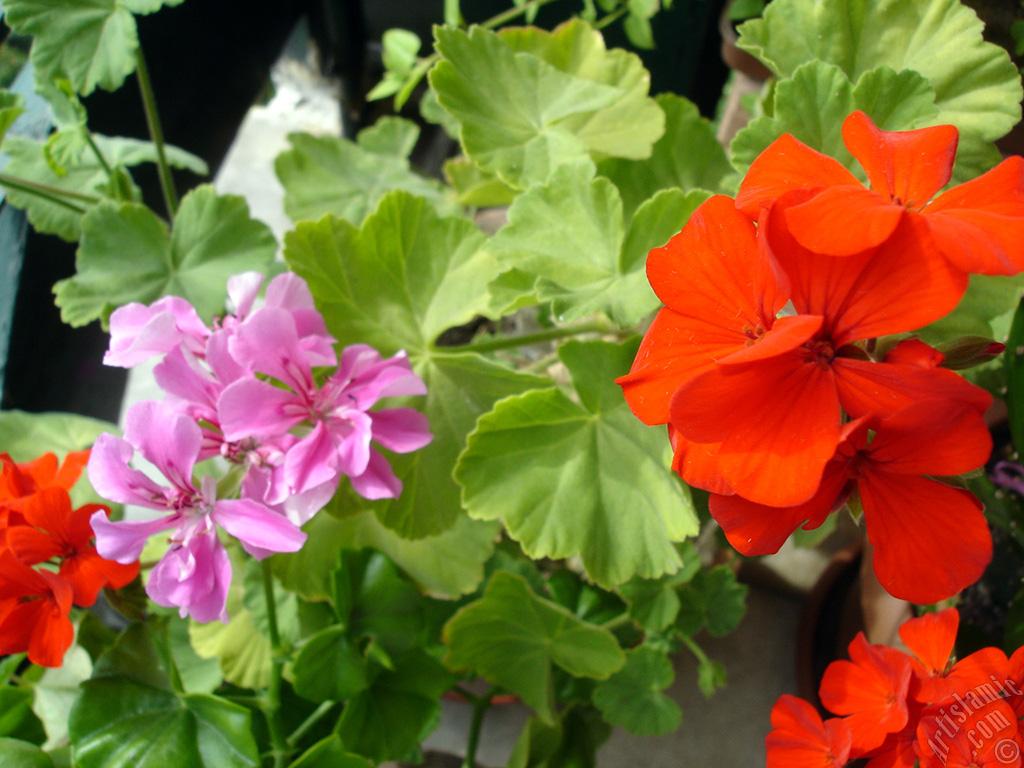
(819, 352)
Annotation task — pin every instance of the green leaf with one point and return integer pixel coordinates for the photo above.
(25, 436)
(474, 187)
(243, 652)
(15, 753)
(983, 311)
(710, 677)
(127, 715)
(286, 608)
(398, 283)
(512, 638)
(57, 691)
(330, 753)
(712, 599)
(324, 174)
(329, 666)
(571, 741)
(599, 485)
(213, 238)
(529, 101)
(633, 697)
(1014, 361)
(593, 264)
(12, 105)
(687, 156)
(653, 603)
(448, 564)
(399, 709)
(977, 87)
(400, 49)
(17, 717)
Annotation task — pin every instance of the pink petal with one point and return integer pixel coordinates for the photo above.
(194, 577)
(242, 292)
(313, 460)
(124, 541)
(252, 407)
(114, 480)
(169, 440)
(378, 481)
(401, 430)
(257, 526)
(138, 332)
(268, 342)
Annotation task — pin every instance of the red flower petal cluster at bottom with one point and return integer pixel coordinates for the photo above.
(901, 710)
(48, 561)
(766, 364)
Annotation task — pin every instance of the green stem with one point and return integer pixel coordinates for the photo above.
(272, 701)
(539, 366)
(47, 192)
(511, 13)
(309, 722)
(99, 155)
(695, 649)
(612, 17)
(465, 693)
(525, 339)
(618, 621)
(480, 707)
(156, 133)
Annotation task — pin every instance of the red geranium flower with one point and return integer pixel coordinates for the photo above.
(34, 608)
(54, 531)
(800, 739)
(931, 539)
(977, 226)
(18, 482)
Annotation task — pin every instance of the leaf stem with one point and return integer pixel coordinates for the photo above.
(612, 17)
(695, 649)
(480, 707)
(620, 620)
(156, 133)
(271, 703)
(99, 155)
(47, 192)
(306, 725)
(525, 339)
(511, 13)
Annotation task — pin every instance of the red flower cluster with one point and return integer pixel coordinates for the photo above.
(899, 708)
(39, 527)
(765, 361)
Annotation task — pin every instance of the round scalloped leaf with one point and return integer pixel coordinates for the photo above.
(633, 698)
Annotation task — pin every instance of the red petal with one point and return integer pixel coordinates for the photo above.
(931, 539)
(787, 334)
(757, 529)
(714, 270)
(785, 165)
(800, 739)
(843, 221)
(697, 463)
(777, 420)
(933, 437)
(32, 546)
(884, 388)
(871, 690)
(49, 510)
(915, 352)
(674, 350)
(931, 639)
(910, 166)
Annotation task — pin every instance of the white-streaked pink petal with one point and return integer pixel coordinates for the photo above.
(115, 481)
(194, 577)
(267, 342)
(312, 461)
(170, 440)
(138, 332)
(352, 436)
(242, 292)
(124, 541)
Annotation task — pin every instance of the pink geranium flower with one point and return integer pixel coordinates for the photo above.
(336, 413)
(194, 573)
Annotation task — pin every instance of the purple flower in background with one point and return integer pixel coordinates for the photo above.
(194, 573)
(342, 427)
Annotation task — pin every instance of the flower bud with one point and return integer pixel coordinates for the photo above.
(969, 351)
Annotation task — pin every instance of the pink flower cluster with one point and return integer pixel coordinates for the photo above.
(244, 390)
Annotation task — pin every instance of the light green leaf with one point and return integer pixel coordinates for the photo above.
(398, 711)
(286, 604)
(529, 101)
(977, 87)
(128, 717)
(710, 677)
(12, 105)
(687, 156)
(474, 187)
(512, 638)
(325, 174)
(599, 484)
(25, 436)
(593, 265)
(243, 651)
(55, 693)
(15, 753)
(633, 697)
(213, 238)
(983, 311)
(653, 603)
(398, 283)
(330, 753)
(400, 49)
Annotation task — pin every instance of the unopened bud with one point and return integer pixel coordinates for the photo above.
(969, 351)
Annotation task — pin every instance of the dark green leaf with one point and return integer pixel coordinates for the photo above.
(15, 753)
(329, 666)
(633, 697)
